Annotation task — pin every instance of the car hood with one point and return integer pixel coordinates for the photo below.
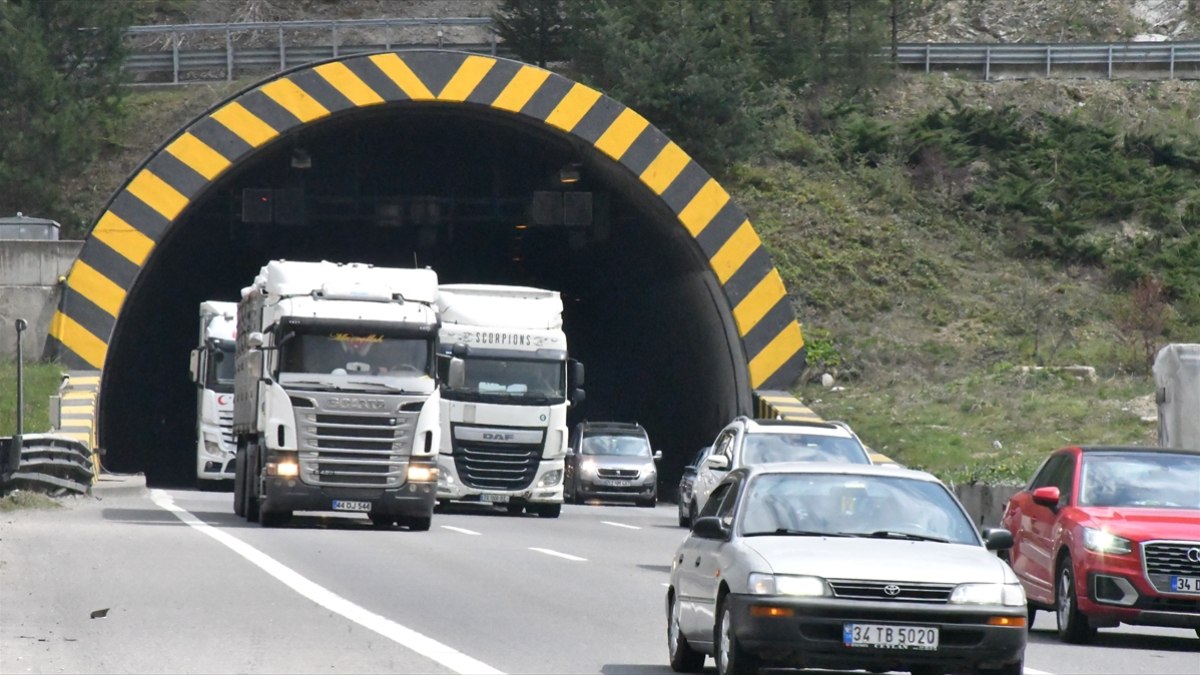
(880, 559)
(1140, 524)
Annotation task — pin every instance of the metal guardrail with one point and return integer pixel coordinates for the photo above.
(238, 48)
(48, 463)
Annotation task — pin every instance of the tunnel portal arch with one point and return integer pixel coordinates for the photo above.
(109, 279)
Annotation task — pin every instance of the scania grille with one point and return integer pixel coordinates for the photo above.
(1165, 559)
(496, 466)
(347, 450)
(627, 474)
(883, 590)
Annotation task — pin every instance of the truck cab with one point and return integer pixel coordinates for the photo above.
(212, 366)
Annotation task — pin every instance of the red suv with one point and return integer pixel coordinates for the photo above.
(1110, 535)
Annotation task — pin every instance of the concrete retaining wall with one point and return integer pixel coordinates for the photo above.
(985, 503)
(29, 289)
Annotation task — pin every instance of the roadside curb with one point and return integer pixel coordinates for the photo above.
(112, 485)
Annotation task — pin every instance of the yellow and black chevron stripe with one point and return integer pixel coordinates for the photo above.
(78, 418)
(772, 405)
(152, 200)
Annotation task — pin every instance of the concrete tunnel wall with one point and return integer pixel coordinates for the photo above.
(681, 316)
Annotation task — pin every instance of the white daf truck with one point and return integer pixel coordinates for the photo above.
(507, 382)
(335, 395)
(212, 365)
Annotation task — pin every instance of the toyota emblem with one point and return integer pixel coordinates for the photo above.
(1193, 555)
(892, 590)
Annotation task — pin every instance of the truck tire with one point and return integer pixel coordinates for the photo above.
(418, 523)
(239, 486)
(267, 518)
(381, 520)
(549, 510)
(253, 476)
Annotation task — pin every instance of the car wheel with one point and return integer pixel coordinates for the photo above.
(1073, 625)
(685, 520)
(731, 658)
(549, 510)
(692, 512)
(684, 659)
(649, 503)
(1031, 613)
(927, 670)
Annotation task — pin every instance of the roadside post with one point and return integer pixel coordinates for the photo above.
(12, 457)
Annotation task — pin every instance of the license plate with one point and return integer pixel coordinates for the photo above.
(617, 483)
(494, 499)
(889, 637)
(343, 505)
(1185, 585)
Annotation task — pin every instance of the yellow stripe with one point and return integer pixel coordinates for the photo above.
(522, 88)
(295, 100)
(399, 72)
(755, 306)
(783, 347)
(83, 436)
(198, 155)
(157, 194)
(350, 85)
(78, 339)
(80, 394)
(573, 107)
(880, 458)
(123, 238)
(665, 168)
(245, 124)
(704, 207)
(735, 252)
(94, 286)
(779, 398)
(621, 133)
(469, 75)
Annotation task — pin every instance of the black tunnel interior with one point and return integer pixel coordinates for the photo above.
(450, 187)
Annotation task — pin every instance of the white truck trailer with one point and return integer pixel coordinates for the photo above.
(335, 395)
(507, 382)
(1177, 385)
(212, 366)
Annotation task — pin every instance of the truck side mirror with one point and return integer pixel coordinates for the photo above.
(577, 396)
(460, 350)
(195, 365)
(255, 340)
(457, 374)
(576, 373)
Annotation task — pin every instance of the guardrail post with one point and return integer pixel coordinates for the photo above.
(1110, 62)
(175, 57)
(987, 63)
(387, 36)
(228, 55)
(282, 51)
(440, 35)
(333, 38)
(1172, 68)
(492, 39)
(1048, 48)
(926, 58)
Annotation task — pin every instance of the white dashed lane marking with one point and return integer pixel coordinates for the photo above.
(460, 530)
(628, 527)
(556, 554)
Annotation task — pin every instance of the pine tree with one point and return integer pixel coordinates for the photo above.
(535, 30)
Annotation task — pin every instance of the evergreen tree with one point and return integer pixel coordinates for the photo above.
(536, 30)
(60, 72)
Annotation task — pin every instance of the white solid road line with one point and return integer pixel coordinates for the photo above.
(405, 637)
(556, 554)
(462, 530)
(628, 527)
(1034, 671)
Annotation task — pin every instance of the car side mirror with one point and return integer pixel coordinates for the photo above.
(710, 527)
(997, 539)
(717, 462)
(657, 455)
(1047, 496)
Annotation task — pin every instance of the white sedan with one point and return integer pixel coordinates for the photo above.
(818, 565)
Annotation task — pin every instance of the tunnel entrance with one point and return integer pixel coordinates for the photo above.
(663, 288)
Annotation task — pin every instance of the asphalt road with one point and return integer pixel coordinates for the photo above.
(189, 587)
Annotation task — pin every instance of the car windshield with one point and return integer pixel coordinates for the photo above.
(765, 448)
(1147, 479)
(625, 446)
(851, 505)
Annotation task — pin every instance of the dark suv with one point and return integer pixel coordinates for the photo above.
(611, 461)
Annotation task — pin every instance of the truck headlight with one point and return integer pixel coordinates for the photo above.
(782, 584)
(1009, 595)
(284, 464)
(1105, 542)
(213, 448)
(420, 473)
(550, 478)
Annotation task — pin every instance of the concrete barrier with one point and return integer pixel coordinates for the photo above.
(29, 289)
(985, 502)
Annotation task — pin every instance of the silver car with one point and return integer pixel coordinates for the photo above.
(821, 565)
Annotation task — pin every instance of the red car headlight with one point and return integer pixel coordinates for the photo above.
(1105, 542)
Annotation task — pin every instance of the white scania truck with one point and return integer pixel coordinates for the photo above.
(506, 385)
(212, 366)
(335, 395)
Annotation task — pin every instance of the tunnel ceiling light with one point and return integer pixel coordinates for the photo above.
(569, 173)
(301, 159)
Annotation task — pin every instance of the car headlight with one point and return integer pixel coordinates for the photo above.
(1009, 595)
(587, 466)
(1105, 542)
(781, 584)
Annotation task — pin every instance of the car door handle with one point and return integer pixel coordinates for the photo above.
(697, 563)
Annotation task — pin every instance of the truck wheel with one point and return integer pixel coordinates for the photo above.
(418, 523)
(381, 520)
(549, 510)
(251, 491)
(273, 518)
(239, 487)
